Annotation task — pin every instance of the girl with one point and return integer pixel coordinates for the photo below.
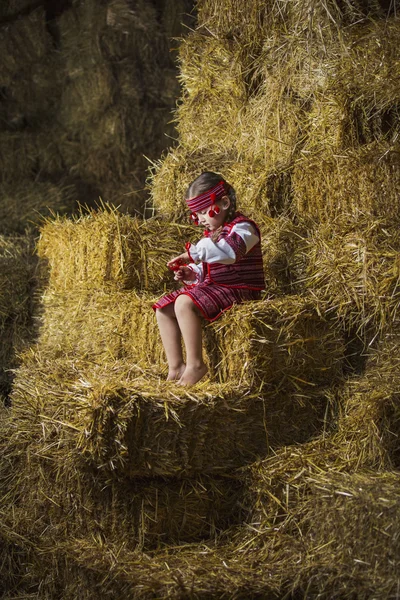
(225, 269)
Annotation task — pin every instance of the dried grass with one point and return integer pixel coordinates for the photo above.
(353, 273)
(124, 420)
(80, 31)
(106, 249)
(16, 273)
(254, 186)
(355, 183)
(215, 95)
(369, 419)
(101, 326)
(48, 496)
(283, 343)
(295, 104)
(24, 205)
(22, 42)
(24, 154)
(86, 97)
(356, 552)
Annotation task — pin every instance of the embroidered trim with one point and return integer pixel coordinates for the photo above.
(207, 198)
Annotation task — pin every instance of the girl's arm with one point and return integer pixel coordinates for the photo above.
(188, 273)
(241, 239)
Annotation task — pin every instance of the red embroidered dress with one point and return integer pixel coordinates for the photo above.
(222, 284)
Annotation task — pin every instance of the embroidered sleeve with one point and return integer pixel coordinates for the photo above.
(240, 240)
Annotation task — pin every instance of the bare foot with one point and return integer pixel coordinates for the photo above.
(175, 374)
(192, 375)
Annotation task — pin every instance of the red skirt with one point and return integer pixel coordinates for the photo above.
(211, 299)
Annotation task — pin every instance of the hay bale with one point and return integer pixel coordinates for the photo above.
(25, 204)
(106, 249)
(33, 97)
(257, 20)
(101, 326)
(23, 42)
(369, 421)
(98, 151)
(16, 273)
(353, 272)
(25, 153)
(80, 29)
(129, 196)
(284, 262)
(253, 184)
(332, 515)
(365, 75)
(140, 515)
(86, 97)
(271, 125)
(176, 13)
(125, 17)
(209, 117)
(355, 183)
(282, 344)
(356, 552)
(122, 420)
(87, 568)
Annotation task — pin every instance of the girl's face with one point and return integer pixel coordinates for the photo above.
(213, 223)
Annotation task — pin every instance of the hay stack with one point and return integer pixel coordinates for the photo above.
(258, 82)
(23, 154)
(109, 362)
(118, 93)
(284, 343)
(353, 272)
(354, 183)
(101, 327)
(369, 422)
(104, 249)
(16, 273)
(119, 420)
(332, 517)
(23, 43)
(102, 82)
(43, 483)
(25, 205)
(356, 551)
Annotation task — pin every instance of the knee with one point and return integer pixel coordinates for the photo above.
(184, 304)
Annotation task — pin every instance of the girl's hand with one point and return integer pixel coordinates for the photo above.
(185, 273)
(178, 260)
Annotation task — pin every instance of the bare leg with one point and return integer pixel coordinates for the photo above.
(171, 339)
(189, 322)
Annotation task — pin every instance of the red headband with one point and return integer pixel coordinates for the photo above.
(207, 198)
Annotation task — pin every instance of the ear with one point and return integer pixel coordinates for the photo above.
(226, 202)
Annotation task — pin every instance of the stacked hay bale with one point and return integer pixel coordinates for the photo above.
(314, 162)
(80, 105)
(87, 92)
(16, 276)
(146, 463)
(300, 115)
